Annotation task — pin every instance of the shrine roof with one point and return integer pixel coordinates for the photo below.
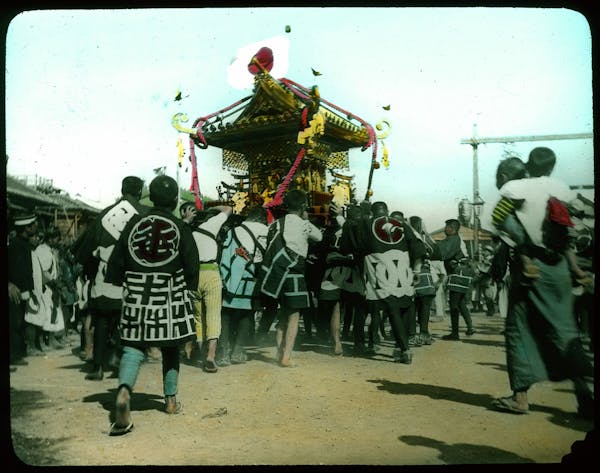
(273, 114)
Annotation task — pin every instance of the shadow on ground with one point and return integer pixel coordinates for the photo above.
(496, 366)
(557, 416)
(22, 402)
(464, 453)
(483, 343)
(139, 401)
(28, 449)
(35, 451)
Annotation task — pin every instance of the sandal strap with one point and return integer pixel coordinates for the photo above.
(126, 386)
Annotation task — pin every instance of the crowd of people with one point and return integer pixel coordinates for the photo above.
(44, 299)
(179, 284)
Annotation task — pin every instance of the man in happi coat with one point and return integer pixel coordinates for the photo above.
(392, 258)
(93, 252)
(156, 263)
(242, 253)
(452, 250)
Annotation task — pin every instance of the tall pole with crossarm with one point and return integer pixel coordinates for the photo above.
(475, 141)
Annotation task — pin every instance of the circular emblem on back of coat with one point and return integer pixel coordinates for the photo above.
(154, 241)
(387, 230)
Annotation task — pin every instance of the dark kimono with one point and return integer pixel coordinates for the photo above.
(20, 273)
(542, 337)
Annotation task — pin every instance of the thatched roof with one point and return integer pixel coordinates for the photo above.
(19, 191)
(24, 196)
(68, 203)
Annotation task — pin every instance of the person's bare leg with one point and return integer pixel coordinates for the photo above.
(290, 338)
(88, 337)
(279, 332)
(520, 398)
(335, 329)
(211, 350)
(188, 347)
(122, 412)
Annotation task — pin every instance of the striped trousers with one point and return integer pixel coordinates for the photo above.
(208, 307)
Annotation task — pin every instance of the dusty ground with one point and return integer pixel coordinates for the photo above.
(331, 411)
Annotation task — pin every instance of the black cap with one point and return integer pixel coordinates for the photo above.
(163, 191)
(131, 185)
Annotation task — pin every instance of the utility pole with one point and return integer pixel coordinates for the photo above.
(477, 201)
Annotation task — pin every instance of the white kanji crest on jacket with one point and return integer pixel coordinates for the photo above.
(154, 241)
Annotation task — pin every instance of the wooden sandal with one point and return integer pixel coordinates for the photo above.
(123, 423)
(120, 430)
(508, 404)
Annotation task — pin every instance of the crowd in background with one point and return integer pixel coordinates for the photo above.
(45, 291)
(177, 284)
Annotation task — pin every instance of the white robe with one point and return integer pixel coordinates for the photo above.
(36, 310)
(49, 267)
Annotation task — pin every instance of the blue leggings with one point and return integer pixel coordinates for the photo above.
(132, 359)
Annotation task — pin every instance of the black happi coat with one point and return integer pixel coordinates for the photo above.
(156, 261)
(391, 249)
(94, 249)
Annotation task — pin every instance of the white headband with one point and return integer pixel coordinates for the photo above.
(25, 221)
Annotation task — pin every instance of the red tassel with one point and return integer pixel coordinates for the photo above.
(304, 117)
(199, 204)
(195, 186)
(558, 213)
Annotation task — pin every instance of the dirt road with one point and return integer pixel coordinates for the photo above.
(326, 411)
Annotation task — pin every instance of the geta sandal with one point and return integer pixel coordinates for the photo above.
(508, 404)
(119, 429)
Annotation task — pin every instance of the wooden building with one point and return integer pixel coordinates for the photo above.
(53, 207)
(467, 233)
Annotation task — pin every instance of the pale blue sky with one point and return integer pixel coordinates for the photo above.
(89, 94)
